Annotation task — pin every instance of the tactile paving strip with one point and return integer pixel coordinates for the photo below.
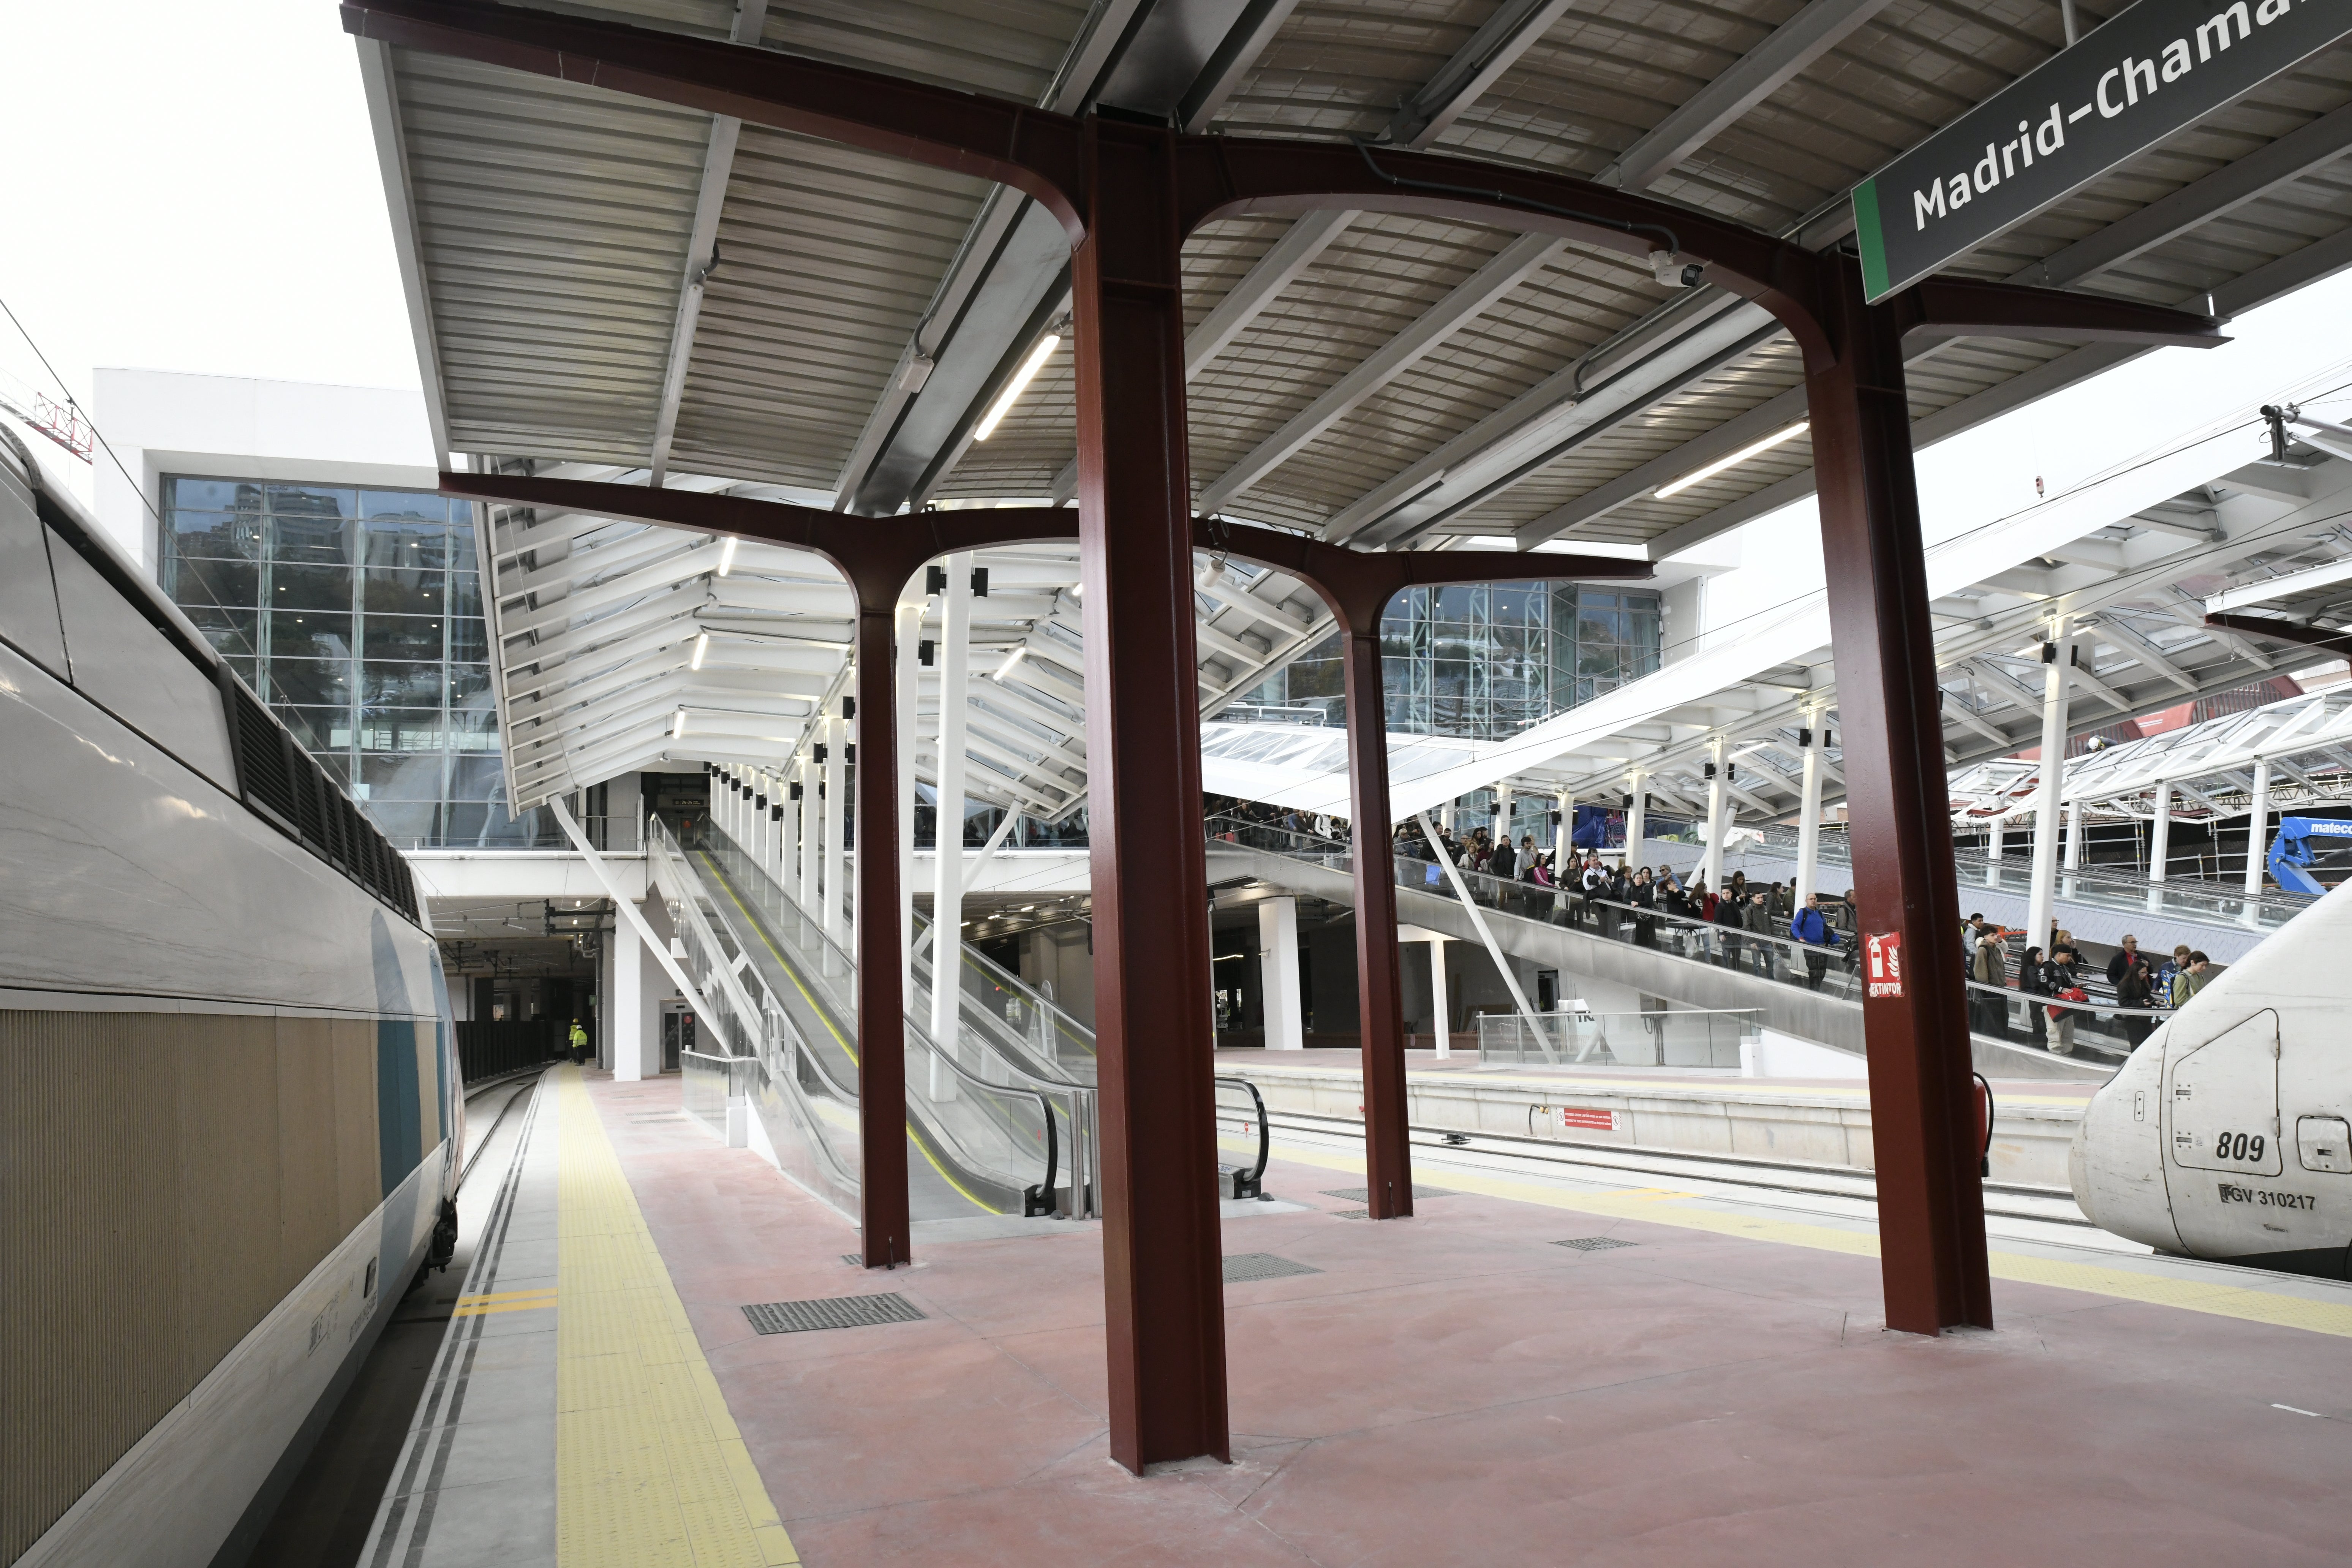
(831, 1312)
(1241, 1266)
(650, 1469)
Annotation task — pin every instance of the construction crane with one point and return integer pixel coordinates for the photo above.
(2293, 859)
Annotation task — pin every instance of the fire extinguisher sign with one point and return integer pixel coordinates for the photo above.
(1882, 955)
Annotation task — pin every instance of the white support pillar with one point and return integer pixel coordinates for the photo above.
(2043, 895)
(1636, 818)
(1809, 810)
(835, 873)
(2075, 833)
(1503, 833)
(1277, 972)
(2258, 829)
(806, 836)
(1441, 1005)
(908, 684)
(629, 1003)
(1719, 812)
(1563, 838)
(954, 662)
(1994, 831)
(2159, 844)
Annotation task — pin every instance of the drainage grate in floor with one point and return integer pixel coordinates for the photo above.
(1246, 1265)
(1350, 1214)
(1594, 1242)
(1418, 1192)
(831, 1312)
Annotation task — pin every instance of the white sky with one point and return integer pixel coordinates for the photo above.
(193, 187)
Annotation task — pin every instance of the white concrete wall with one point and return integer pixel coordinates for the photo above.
(165, 422)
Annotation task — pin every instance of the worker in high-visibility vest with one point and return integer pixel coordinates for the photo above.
(579, 1043)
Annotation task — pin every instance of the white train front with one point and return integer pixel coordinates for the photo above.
(2228, 1135)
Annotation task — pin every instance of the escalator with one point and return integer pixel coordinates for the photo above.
(986, 1137)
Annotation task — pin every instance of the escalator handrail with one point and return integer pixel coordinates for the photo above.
(1264, 1139)
(997, 975)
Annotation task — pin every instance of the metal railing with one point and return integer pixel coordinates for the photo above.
(1676, 1037)
(535, 832)
(1242, 1110)
(2099, 1027)
(998, 1133)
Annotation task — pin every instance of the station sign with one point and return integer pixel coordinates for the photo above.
(2153, 70)
(1882, 958)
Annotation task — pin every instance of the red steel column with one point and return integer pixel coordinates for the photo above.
(881, 1001)
(1380, 994)
(1922, 1107)
(1163, 1282)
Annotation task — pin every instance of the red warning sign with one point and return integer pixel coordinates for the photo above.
(1579, 1116)
(1883, 958)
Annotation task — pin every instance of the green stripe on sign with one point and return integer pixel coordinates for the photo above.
(1873, 242)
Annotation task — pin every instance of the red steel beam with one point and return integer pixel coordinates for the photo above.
(877, 558)
(1034, 151)
(2272, 626)
(1922, 1107)
(1043, 154)
(1357, 587)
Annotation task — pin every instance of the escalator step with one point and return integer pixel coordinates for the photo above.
(831, 1312)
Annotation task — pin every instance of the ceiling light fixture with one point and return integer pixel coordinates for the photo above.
(726, 555)
(1019, 385)
(1006, 667)
(701, 646)
(678, 724)
(1741, 456)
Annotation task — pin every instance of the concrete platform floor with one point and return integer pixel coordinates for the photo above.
(1457, 1388)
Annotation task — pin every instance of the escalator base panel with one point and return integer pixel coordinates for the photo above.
(831, 1312)
(1243, 1267)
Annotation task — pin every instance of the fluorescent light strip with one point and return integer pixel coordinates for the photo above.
(1733, 461)
(1006, 667)
(701, 646)
(726, 555)
(678, 724)
(1011, 395)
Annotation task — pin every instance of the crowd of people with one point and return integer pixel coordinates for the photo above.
(2048, 979)
(1745, 926)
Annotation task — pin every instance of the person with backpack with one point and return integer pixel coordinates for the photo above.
(1807, 926)
(2136, 987)
(2061, 982)
(2032, 983)
(1990, 968)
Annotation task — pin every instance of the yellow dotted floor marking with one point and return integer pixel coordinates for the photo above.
(1658, 1206)
(650, 1469)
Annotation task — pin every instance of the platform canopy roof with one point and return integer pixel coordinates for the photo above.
(604, 286)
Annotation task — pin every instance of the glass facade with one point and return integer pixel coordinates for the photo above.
(356, 615)
(1483, 661)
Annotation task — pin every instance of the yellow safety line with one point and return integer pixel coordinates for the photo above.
(546, 1306)
(650, 1469)
(1660, 1206)
(505, 1296)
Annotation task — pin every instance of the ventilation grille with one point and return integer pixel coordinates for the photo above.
(1594, 1242)
(1360, 1195)
(831, 1312)
(280, 782)
(1243, 1267)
